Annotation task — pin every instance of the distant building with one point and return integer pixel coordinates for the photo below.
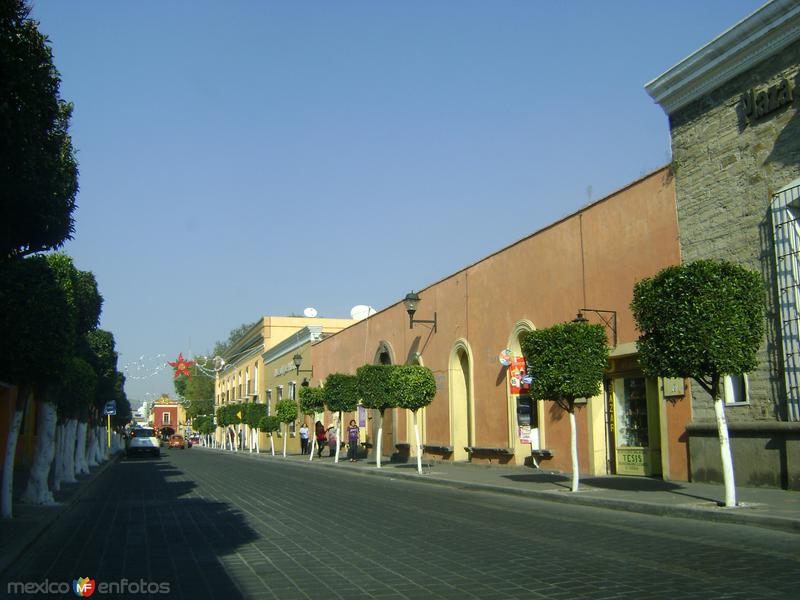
(242, 379)
(168, 414)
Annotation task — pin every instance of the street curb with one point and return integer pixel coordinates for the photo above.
(39, 529)
(737, 516)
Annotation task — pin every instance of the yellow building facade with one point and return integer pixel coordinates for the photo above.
(244, 377)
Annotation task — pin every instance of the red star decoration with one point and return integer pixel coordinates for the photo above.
(181, 366)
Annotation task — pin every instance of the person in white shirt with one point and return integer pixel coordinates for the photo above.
(304, 439)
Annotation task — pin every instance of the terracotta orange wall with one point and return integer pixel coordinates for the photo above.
(27, 439)
(616, 241)
(679, 413)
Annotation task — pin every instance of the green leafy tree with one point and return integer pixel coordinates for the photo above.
(341, 395)
(373, 387)
(222, 347)
(38, 171)
(413, 387)
(270, 424)
(35, 308)
(702, 320)
(286, 411)
(312, 401)
(103, 357)
(567, 362)
(195, 393)
(227, 417)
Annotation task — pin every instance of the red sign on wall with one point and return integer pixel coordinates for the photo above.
(516, 375)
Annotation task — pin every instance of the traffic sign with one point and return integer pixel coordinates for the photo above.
(110, 408)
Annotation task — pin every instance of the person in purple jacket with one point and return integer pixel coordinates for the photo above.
(352, 440)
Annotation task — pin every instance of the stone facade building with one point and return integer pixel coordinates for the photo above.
(735, 126)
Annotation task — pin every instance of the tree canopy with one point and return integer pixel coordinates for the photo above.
(35, 309)
(699, 320)
(373, 386)
(341, 392)
(312, 400)
(566, 361)
(286, 410)
(412, 386)
(38, 170)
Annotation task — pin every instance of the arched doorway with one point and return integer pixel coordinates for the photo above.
(524, 413)
(383, 356)
(461, 407)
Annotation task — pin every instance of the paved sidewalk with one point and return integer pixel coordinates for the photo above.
(760, 507)
(30, 522)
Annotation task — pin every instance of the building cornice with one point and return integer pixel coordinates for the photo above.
(310, 333)
(753, 39)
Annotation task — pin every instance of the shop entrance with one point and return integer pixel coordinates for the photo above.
(633, 423)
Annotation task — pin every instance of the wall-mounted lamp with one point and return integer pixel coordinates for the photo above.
(411, 301)
(298, 360)
(608, 317)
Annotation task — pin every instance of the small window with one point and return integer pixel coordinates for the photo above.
(165, 418)
(280, 393)
(736, 389)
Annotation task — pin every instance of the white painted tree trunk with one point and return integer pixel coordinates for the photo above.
(37, 491)
(8, 465)
(70, 430)
(338, 437)
(102, 444)
(725, 453)
(258, 441)
(419, 446)
(285, 435)
(91, 460)
(58, 461)
(573, 446)
(81, 450)
(272, 442)
(379, 441)
(313, 445)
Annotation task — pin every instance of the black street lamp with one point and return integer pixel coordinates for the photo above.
(298, 360)
(411, 301)
(608, 317)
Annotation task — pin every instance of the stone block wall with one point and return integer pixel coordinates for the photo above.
(726, 170)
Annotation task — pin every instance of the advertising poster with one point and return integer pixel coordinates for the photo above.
(517, 377)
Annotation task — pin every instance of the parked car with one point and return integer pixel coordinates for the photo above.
(143, 440)
(195, 439)
(176, 441)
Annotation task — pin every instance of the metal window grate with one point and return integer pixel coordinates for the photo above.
(785, 209)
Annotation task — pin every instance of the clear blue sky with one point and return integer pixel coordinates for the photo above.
(246, 158)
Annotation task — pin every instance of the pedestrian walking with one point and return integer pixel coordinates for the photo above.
(319, 433)
(352, 440)
(332, 441)
(304, 439)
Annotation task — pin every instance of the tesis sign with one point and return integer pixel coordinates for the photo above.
(758, 103)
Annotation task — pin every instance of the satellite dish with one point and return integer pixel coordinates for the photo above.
(361, 311)
(310, 312)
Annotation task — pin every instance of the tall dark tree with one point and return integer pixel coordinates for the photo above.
(34, 309)
(38, 170)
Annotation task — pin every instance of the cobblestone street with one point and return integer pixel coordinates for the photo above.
(220, 526)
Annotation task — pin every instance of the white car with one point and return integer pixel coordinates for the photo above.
(143, 440)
